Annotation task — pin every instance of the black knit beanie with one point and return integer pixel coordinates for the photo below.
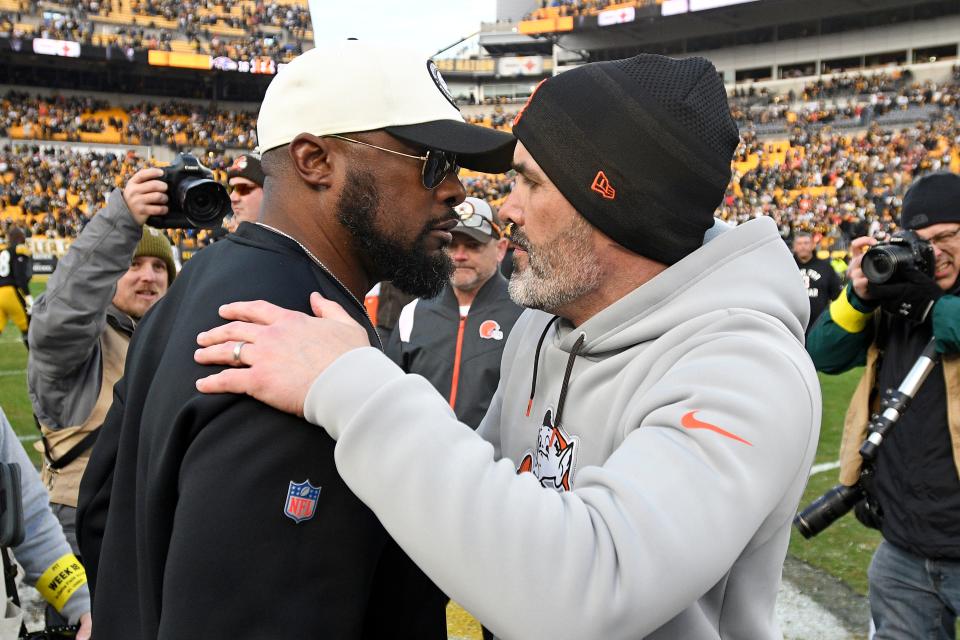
(932, 199)
(640, 147)
(247, 165)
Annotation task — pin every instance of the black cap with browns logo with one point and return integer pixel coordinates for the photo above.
(640, 147)
(247, 166)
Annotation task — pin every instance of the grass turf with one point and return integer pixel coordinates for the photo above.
(13, 379)
(843, 550)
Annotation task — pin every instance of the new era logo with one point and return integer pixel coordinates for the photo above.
(602, 186)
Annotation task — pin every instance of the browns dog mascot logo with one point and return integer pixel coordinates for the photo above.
(555, 460)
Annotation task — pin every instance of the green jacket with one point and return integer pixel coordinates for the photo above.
(844, 332)
(843, 339)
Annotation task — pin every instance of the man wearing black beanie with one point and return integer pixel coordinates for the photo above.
(917, 473)
(652, 431)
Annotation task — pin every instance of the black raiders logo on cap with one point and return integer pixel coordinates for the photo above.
(438, 80)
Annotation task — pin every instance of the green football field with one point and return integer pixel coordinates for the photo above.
(13, 379)
(843, 550)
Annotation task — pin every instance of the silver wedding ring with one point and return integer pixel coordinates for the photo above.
(236, 351)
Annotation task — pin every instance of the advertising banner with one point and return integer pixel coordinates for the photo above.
(520, 66)
(616, 16)
(66, 48)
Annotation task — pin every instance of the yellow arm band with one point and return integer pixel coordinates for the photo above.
(61, 580)
(846, 316)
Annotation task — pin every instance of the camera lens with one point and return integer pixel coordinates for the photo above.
(204, 201)
(827, 509)
(881, 263)
(879, 267)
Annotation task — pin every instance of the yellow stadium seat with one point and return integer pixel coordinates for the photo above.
(13, 211)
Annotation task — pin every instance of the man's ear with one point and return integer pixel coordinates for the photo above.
(314, 159)
(502, 245)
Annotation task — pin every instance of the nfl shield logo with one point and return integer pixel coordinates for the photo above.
(301, 501)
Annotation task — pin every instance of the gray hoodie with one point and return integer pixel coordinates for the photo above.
(688, 424)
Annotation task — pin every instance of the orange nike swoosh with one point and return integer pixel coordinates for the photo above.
(689, 422)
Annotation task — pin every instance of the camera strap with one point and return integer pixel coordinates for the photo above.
(10, 580)
(73, 453)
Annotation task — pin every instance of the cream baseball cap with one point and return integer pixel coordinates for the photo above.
(351, 86)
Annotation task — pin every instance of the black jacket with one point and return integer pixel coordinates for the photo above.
(916, 483)
(196, 543)
(426, 338)
(823, 285)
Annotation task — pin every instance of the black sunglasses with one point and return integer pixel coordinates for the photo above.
(436, 164)
(243, 189)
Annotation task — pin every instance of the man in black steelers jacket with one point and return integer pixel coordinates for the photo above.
(217, 516)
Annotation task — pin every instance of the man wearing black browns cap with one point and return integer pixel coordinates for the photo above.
(643, 457)
(245, 181)
(915, 573)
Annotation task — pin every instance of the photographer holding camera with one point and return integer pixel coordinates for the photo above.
(81, 326)
(901, 295)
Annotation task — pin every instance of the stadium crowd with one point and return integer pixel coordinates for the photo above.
(53, 192)
(246, 47)
(291, 17)
(196, 24)
(174, 124)
(849, 97)
(579, 7)
(836, 183)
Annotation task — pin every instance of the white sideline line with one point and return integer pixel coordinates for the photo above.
(32, 438)
(12, 372)
(824, 466)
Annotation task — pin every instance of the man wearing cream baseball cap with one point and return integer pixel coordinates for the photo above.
(207, 516)
(355, 86)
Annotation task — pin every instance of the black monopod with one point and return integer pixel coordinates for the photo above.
(836, 502)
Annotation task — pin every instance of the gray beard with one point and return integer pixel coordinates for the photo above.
(557, 274)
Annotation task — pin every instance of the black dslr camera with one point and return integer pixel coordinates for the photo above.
(195, 199)
(884, 261)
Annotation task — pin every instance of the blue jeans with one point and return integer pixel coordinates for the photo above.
(911, 596)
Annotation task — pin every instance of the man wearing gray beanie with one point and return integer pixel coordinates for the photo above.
(915, 484)
(643, 456)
